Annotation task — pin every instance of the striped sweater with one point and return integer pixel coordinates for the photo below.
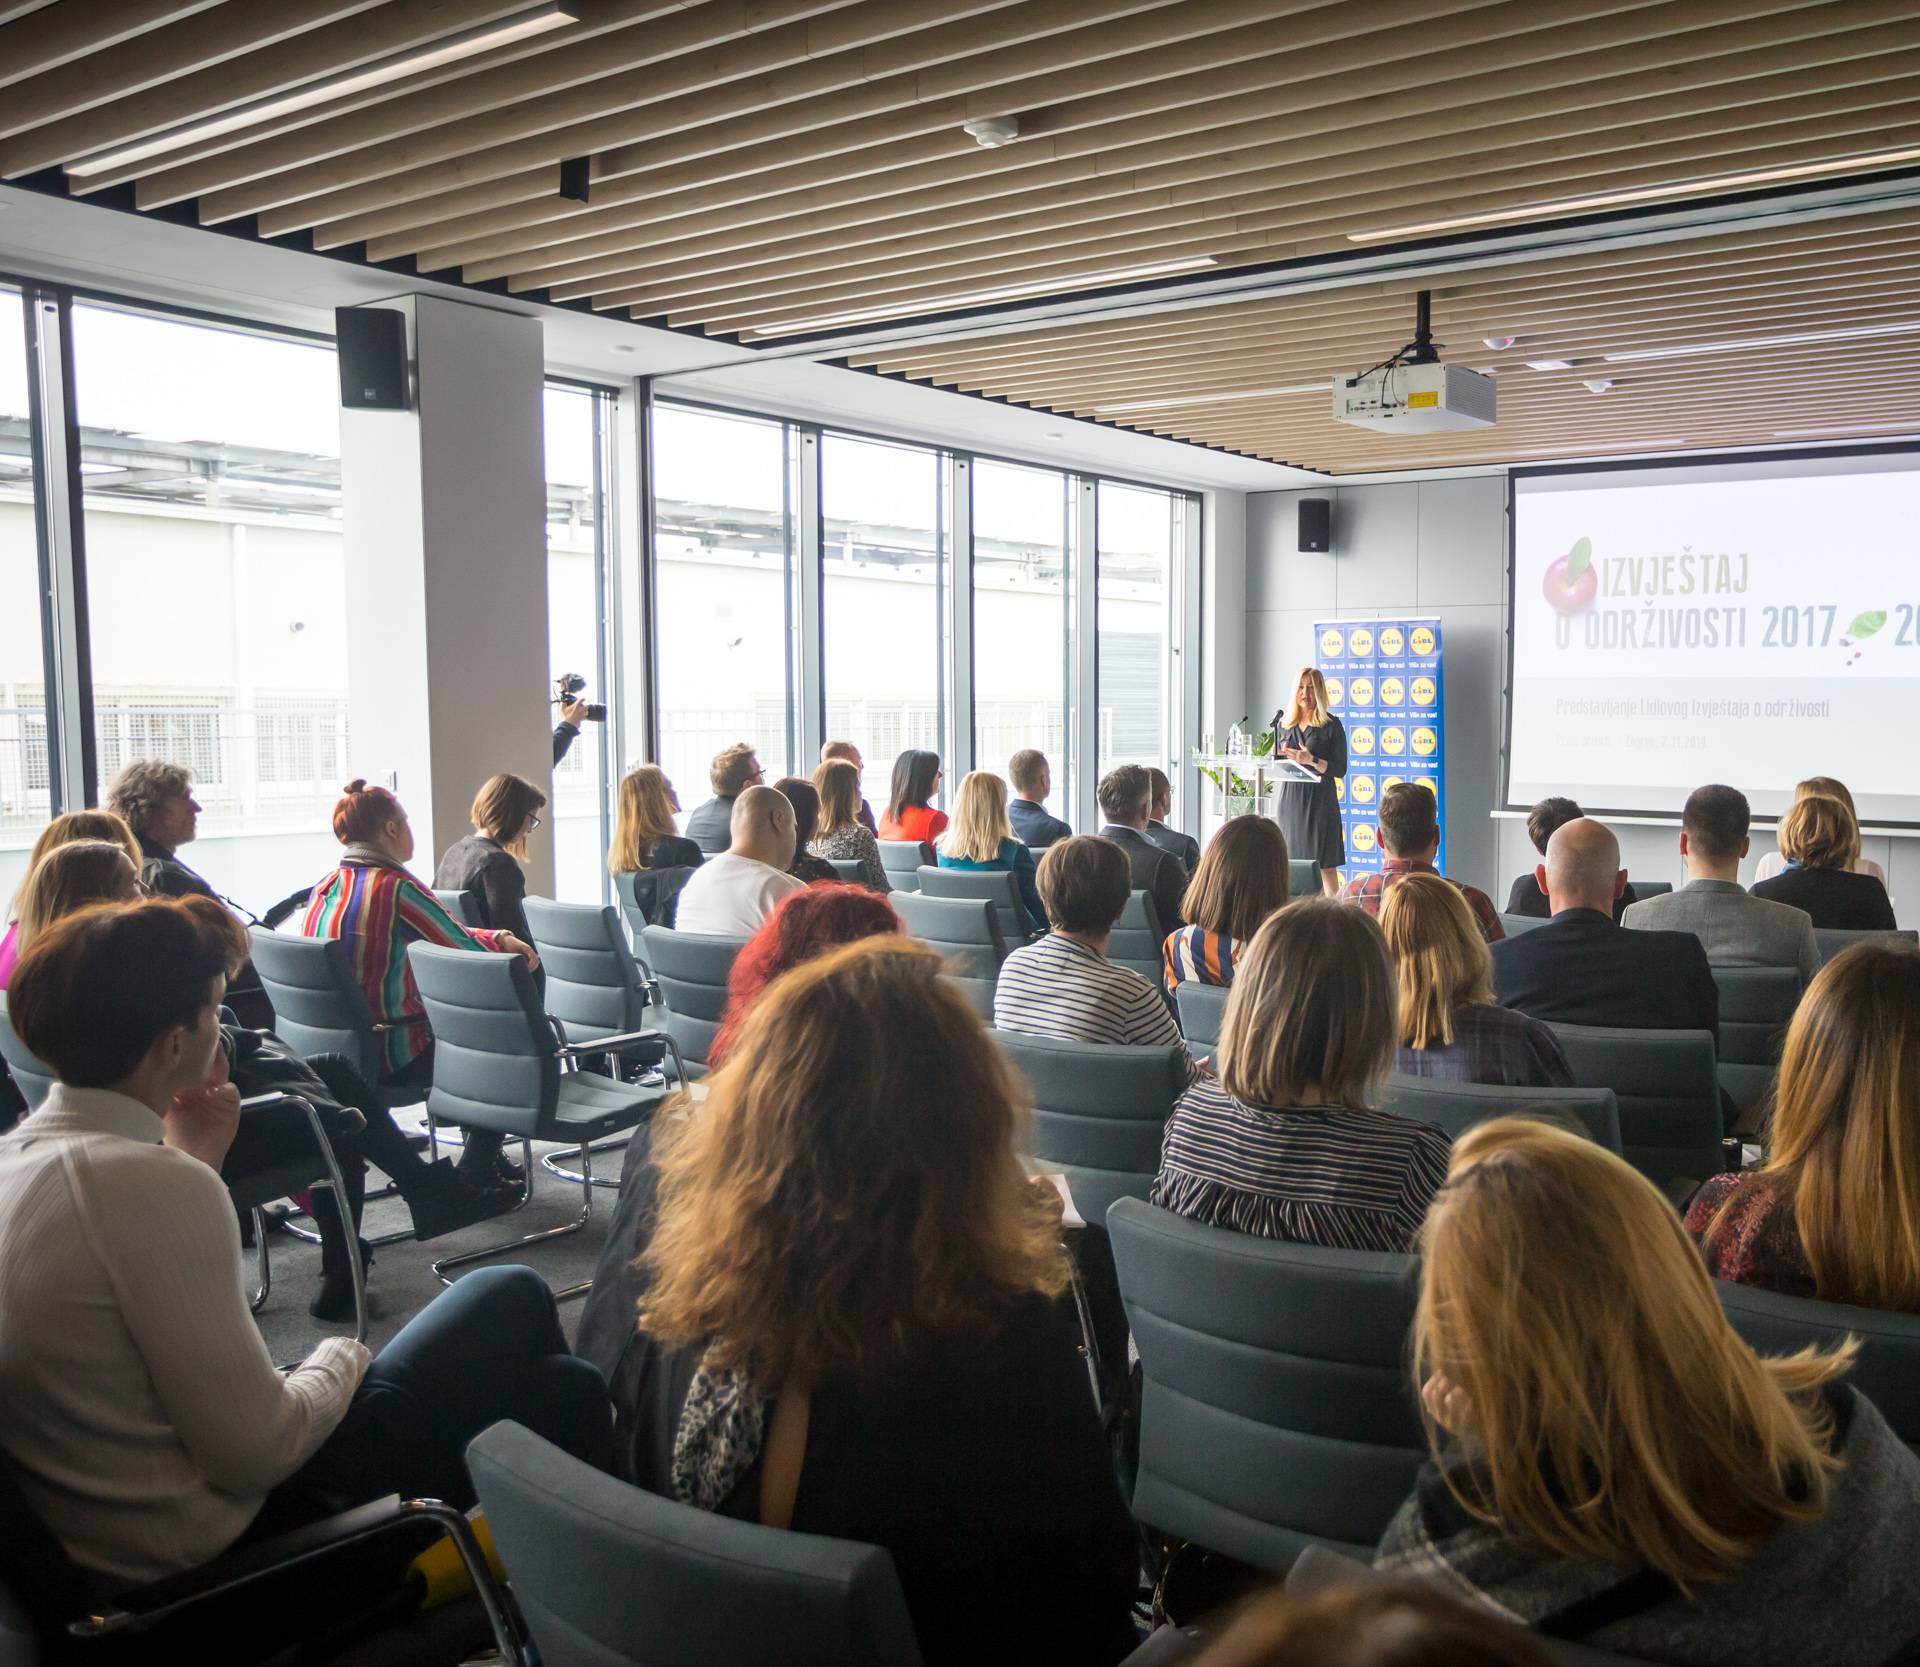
(378, 909)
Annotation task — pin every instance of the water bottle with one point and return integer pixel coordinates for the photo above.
(1236, 742)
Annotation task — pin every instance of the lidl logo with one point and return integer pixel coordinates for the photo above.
(1424, 641)
(1363, 790)
(1387, 783)
(1393, 692)
(1429, 784)
(1393, 740)
(1332, 644)
(1362, 837)
(1362, 739)
(1340, 790)
(1336, 691)
(1424, 693)
(1359, 640)
(1393, 640)
(1361, 688)
(1424, 741)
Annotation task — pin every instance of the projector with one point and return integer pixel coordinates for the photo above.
(1414, 399)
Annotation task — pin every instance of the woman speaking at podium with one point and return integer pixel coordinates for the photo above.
(1309, 811)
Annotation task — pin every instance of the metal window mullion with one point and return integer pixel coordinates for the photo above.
(1188, 648)
(963, 727)
(1083, 762)
(632, 575)
(810, 691)
(606, 477)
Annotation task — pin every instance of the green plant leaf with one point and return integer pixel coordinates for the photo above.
(1864, 625)
(1263, 744)
(1579, 559)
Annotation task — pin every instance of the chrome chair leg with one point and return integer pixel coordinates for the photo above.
(553, 1165)
(257, 1299)
(542, 1237)
(1089, 1343)
(336, 1184)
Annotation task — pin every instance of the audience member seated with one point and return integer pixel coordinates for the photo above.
(852, 1325)
(1064, 985)
(734, 770)
(69, 877)
(729, 895)
(910, 813)
(1286, 1143)
(1543, 821)
(1242, 878)
(643, 826)
(1410, 838)
(1124, 794)
(1583, 969)
(1159, 808)
(980, 840)
(1735, 929)
(376, 908)
(1612, 1464)
(843, 835)
(487, 862)
(156, 801)
(1450, 1025)
(1032, 778)
(145, 1419)
(847, 752)
(1834, 1212)
(1821, 842)
(1826, 787)
(805, 867)
(63, 830)
(1368, 1622)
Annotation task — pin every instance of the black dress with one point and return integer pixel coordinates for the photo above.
(1309, 812)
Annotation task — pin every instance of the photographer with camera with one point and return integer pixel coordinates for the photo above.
(574, 712)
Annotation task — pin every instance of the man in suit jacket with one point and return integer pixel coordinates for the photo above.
(1580, 968)
(1125, 793)
(1735, 928)
(1032, 778)
(733, 771)
(1182, 845)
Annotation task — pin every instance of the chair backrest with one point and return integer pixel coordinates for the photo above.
(692, 972)
(903, 860)
(1203, 1009)
(1278, 1409)
(493, 1063)
(1668, 1087)
(650, 896)
(31, 1076)
(593, 983)
(1137, 938)
(966, 932)
(610, 1575)
(1830, 940)
(1099, 1113)
(997, 886)
(318, 1007)
(1887, 1370)
(847, 869)
(462, 906)
(1514, 925)
(1756, 1006)
(1643, 889)
(1303, 877)
(1457, 1106)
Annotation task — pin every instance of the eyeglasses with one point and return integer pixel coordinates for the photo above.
(532, 823)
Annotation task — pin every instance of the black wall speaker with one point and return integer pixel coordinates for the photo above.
(372, 344)
(1316, 524)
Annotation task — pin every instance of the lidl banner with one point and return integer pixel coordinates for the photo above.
(1383, 683)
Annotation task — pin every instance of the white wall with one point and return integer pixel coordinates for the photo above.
(1440, 547)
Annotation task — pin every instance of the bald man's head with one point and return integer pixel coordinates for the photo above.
(762, 827)
(1582, 870)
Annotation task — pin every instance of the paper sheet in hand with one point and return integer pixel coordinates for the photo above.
(1284, 769)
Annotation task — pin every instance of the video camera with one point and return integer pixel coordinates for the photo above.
(571, 686)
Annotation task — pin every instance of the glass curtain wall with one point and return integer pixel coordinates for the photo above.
(210, 470)
(1137, 536)
(25, 797)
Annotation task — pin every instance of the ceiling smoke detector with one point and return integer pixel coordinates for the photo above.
(1598, 384)
(993, 131)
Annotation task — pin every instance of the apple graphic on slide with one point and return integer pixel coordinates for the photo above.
(1571, 582)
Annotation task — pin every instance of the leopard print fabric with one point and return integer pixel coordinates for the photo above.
(718, 1438)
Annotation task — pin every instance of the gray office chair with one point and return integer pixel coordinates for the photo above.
(1643, 889)
(1514, 925)
(1830, 940)
(497, 1065)
(1138, 937)
(1756, 1006)
(1203, 1009)
(318, 1005)
(1458, 1106)
(1887, 1370)
(1278, 1410)
(34, 1079)
(462, 906)
(966, 933)
(847, 870)
(691, 973)
(1303, 877)
(997, 886)
(650, 896)
(609, 1575)
(903, 860)
(1668, 1086)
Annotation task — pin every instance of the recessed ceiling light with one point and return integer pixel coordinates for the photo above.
(1644, 194)
(1549, 364)
(1857, 333)
(1499, 343)
(1171, 402)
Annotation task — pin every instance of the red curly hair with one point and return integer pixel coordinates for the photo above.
(800, 927)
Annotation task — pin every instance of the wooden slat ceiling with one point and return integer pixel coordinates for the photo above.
(760, 165)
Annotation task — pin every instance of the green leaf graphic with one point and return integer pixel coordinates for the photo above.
(1579, 559)
(1864, 625)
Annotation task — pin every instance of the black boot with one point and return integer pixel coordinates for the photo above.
(335, 1301)
(444, 1199)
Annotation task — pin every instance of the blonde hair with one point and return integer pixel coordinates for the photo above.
(1309, 1014)
(836, 1203)
(1296, 714)
(733, 770)
(645, 813)
(979, 825)
(503, 808)
(1240, 880)
(1615, 1414)
(1820, 832)
(1845, 1142)
(1440, 959)
(69, 828)
(143, 786)
(67, 878)
(1825, 787)
(838, 784)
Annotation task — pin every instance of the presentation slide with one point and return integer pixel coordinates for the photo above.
(1751, 623)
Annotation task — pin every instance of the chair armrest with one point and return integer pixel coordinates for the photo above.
(382, 1026)
(627, 1040)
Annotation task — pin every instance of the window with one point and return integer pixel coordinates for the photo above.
(1138, 533)
(25, 802)
(1022, 629)
(883, 561)
(723, 592)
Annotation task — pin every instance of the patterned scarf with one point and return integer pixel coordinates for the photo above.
(717, 1441)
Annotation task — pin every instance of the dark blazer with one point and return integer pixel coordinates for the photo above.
(711, 825)
(1527, 898)
(166, 875)
(1155, 871)
(1582, 969)
(1837, 900)
(1033, 827)
(1182, 845)
(496, 879)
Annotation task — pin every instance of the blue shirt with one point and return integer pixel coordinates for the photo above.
(1015, 857)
